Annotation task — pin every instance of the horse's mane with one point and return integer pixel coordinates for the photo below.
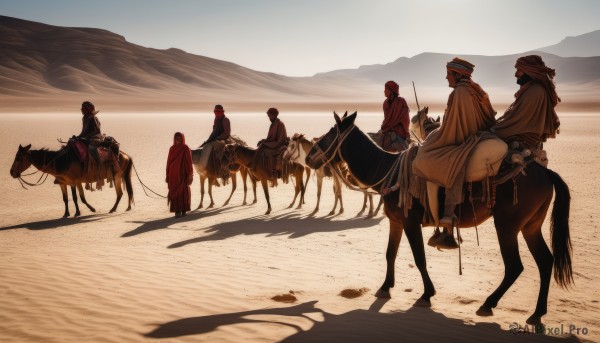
(61, 159)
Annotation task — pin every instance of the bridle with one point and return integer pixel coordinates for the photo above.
(340, 138)
(295, 154)
(44, 175)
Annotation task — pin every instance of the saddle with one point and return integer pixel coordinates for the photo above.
(484, 162)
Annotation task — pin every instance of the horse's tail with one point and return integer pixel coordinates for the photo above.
(127, 179)
(559, 229)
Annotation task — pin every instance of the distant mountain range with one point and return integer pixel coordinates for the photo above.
(585, 45)
(39, 61)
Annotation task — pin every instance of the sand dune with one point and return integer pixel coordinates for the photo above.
(144, 276)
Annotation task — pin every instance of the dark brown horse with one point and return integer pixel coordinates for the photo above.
(369, 164)
(69, 171)
(212, 176)
(243, 155)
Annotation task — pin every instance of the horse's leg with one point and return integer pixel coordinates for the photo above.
(364, 207)
(126, 176)
(211, 181)
(509, 248)
(233, 177)
(74, 194)
(390, 257)
(82, 197)
(302, 187)
(65, 196)
(244, 174)
(415, 239)
(544, 260)
(370, 215)
(299, 186)
(265, 187)
(307, 170)
(319, 187)
(253, 188)
(119, 190)
(202, 178)
(378, 206)
(339, 195)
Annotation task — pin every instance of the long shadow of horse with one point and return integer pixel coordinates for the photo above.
(164, 223)
(414, 325)
(56, 223)
(292, 224)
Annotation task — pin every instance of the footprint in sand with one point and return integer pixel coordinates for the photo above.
(351, 293)
(285, 297)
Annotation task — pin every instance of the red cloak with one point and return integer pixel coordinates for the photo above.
(180, 174)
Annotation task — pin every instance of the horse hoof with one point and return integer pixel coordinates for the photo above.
(299, 207)
(77, 214)
(534, 320)
(484, 311)
(112, 211)
(128, 209)
(331, 213)
(268, 212)
(381, 294)
(66, 216)
(93, 210)
(226, 203)
(422, 303)
(341, 211)
(211, 206)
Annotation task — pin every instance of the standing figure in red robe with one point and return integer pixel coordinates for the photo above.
(180, 175)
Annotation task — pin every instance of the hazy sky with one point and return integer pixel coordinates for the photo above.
(303, 37)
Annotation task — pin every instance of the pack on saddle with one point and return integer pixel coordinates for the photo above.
(491, 162)
(100, 159)
(98, 153)
(271, 159)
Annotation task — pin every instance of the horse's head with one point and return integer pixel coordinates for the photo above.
(21, 162)
(325, 148)
(421, 124)
(293, 149)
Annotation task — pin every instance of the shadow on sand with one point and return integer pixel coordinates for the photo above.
(56, 223)
(166, 222)
(414, 325)
(293, 224)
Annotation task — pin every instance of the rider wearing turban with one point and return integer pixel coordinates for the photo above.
(394, 128)
(443, 157)
(531, 119)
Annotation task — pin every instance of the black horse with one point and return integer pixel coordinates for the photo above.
(369, 165)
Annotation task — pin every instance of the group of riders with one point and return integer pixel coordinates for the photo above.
(442, 157)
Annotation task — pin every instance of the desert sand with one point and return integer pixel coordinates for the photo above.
(231, 274)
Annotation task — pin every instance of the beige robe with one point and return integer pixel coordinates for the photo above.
(442, 158)
(531, 119)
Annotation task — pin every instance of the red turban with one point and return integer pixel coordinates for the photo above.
(393, 86)
(460, 66)
(219, 111)
(273, 111)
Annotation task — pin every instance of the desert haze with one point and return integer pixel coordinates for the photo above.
(48, 68)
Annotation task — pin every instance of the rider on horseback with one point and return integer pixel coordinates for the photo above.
(531, 119)
(443, 157)
(271, 149)
(216, 141)
(394, 129)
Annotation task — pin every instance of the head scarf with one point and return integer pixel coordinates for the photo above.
(273, 111)
(460, 66)
(179, 134)
(219, 111)
(393, 86)
(89, 108)
(534, 66)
